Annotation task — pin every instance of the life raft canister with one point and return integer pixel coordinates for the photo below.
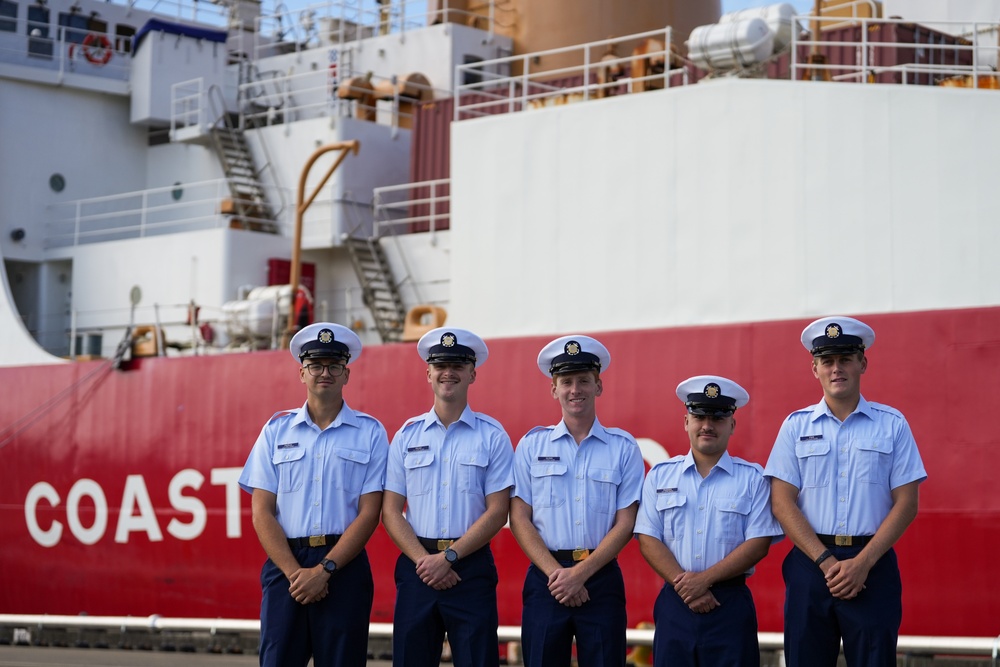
(97, 48)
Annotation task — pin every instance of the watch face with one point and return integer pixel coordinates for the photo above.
(450, 555)
(329, 566)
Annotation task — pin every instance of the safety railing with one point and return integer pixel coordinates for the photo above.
(421, 206)
(870, 50)
(769, 641)
(276, 98)
(62, 52)
(635, 63)
(340, 22)
(155, 211)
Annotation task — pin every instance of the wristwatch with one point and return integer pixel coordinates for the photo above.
(450, 555)
(328, 566)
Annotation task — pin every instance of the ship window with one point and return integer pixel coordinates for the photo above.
(73, 25)
(8, 16)
(471, 76)
(57, 182)
(39, 43)
(123, 38)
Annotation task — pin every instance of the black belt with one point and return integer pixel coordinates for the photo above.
(313, 541)
(845, 540)
(575, 555)
(435, 546)
(734, 581)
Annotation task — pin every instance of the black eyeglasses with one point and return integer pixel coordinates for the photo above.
(316, 370)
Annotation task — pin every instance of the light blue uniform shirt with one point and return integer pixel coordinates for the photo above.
(575, 490)
(701, 520)
(845, 472)
(446, 473)
(317, 475)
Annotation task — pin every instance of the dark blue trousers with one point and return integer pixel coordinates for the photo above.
(467, 612)
(548, 627)
(333, 632)
(724, 637)
(815, 621)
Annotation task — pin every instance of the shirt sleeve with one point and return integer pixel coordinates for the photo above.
(259, 471)
(907, 466)
(761, 522)
(375, 474)
(648, 520)
(633, 469)
(499, 473)
(522, 471)
(783, 464)
(395, 473)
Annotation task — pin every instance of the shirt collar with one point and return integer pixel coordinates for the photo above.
(468, 418)
(345, 417)
(596, 431)
(821, 409)
(725, 462)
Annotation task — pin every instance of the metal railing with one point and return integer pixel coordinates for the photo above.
(769, 641)
(595, 70)
(164, 210)
(420, 204)
(65, 51)
(340, 22)
(942, 56)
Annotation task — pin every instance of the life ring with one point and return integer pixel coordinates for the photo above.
(97, 48)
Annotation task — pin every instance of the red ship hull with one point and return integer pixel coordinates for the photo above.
(175, 432)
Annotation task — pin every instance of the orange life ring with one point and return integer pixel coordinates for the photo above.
(97, 48)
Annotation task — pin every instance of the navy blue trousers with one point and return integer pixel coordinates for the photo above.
(333, 632)
(548, 627)
(815, 621)
(467, 612)
(724, 637)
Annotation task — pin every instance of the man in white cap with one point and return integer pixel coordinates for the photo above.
(704, 522)
(316, 475)
(844, 486)
(450, 470)
(577, 488)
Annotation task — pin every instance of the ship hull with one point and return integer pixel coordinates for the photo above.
(120, 493)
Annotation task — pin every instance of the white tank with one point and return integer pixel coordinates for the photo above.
(259, 317)
(730, 45)
(777, 17)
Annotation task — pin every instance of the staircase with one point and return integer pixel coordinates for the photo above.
(378, 289)
(248, 204)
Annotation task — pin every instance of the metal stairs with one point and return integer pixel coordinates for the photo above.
(248, 205)
(378, 289)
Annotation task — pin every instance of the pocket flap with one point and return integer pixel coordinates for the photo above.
(288, 454)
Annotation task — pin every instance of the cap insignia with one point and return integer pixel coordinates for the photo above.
(325, 336)
(448, 340)
(572, 348)
(712, 390)
(833, 331)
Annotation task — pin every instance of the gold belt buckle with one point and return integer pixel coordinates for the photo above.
(444, 544)
(317, 540)
(580, 554)
(842, 540)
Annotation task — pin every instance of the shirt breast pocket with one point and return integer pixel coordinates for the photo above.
(874, 460)
(291, 469)
(472, 471)
(349, 474)
(419, 473)
(813, 464)
(670, 507)
(548, 481)
(602, 489)
(731, 517)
